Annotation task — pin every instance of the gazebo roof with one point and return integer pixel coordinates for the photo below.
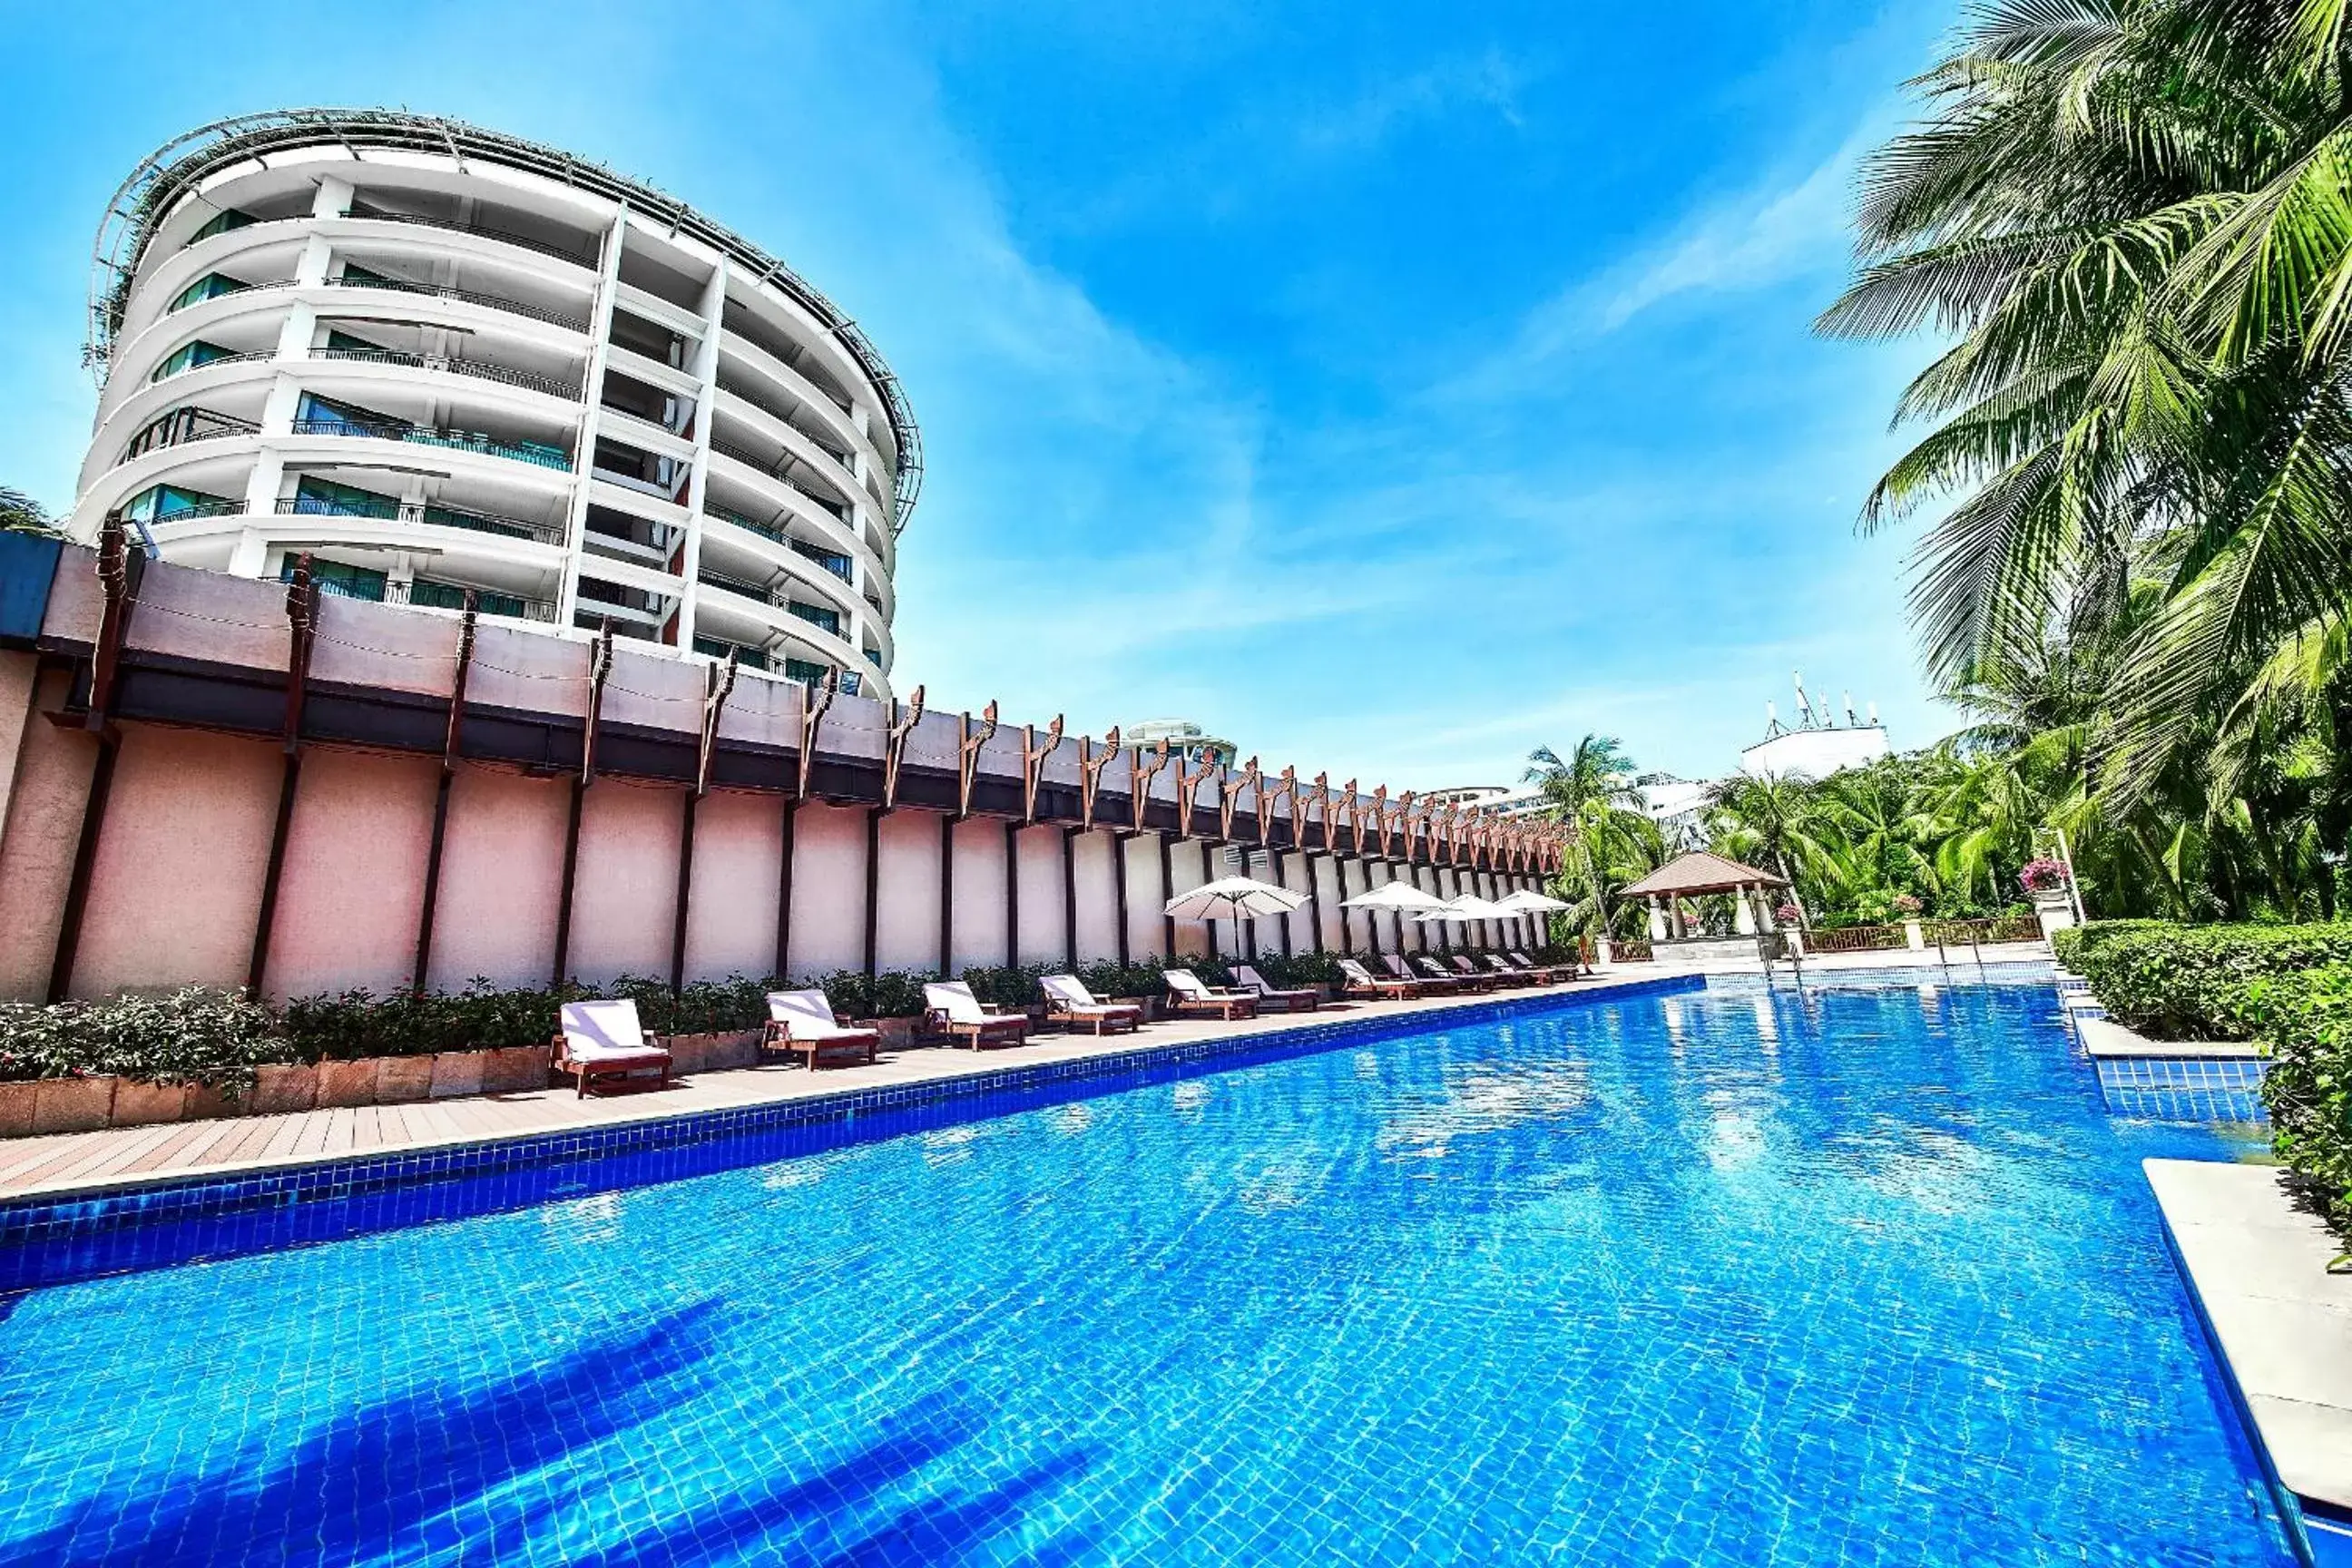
(1700, 872)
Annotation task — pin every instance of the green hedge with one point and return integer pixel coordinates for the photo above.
(2305, 1022)
(2189, 982)
(195, 1036)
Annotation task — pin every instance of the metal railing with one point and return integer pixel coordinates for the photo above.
(167, 370)
(182, 426)
(1856, 939)
(422, 593)
(455, 440)
(764, 530)
(420, 513)
(774, 470)
(223, 507)
(530, 380)
(783, 416)
(579, 256)
(505, 302)
(2001, 928)
(1630, 950)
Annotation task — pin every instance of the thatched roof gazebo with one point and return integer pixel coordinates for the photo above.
(1697, 875)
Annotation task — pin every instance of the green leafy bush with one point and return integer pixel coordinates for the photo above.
(2305, 1022)
(197, 1036)
(2191, 983)
(2073, 941)
(892, 993)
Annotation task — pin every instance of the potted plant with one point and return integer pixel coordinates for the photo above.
(2046, 883)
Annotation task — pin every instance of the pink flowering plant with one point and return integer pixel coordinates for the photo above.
(1908, 904)
(2042, 876)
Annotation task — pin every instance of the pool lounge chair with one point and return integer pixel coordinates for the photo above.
(802, 1023)
(1358, 980)
(956, 1012)
(1436, 971)
(1187, 993)
(1294, 1001)
(1499, 973)
(1543, 973)
(604, 1040)
(1435, 980)
(1068, 998)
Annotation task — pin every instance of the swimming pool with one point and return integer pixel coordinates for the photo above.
(1866, 1275)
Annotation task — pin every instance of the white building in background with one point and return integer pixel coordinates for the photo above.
(1184, 738)
(442, 359)
(1817, 745)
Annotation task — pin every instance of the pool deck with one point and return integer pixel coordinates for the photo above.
(126, 1157)
(2283, 1325)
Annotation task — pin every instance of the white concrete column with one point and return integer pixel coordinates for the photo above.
(311, 267)
(1657, 919)
(1743, 911)
(261, 487)
(250, 556)
(706, 415)
(600, 331)
(295, 332)
(333, 198)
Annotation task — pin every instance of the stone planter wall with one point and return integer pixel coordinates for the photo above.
(715, 1052)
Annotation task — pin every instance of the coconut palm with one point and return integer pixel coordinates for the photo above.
(1770, 821)
(1617, 840)
(2135, 217)
(20, 513)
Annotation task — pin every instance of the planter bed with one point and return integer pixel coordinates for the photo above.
(33, 1107)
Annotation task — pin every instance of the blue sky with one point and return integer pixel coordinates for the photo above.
(1391, 388)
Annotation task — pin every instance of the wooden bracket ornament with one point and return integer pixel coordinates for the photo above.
(968, 746)
(1140, 777)
(1090, 772)
(894, 745)
(1286, 790)
(1229, 795)
(812, 715)
(1323, 799)
(1188, 788)
(600, 669)
(1032, 763)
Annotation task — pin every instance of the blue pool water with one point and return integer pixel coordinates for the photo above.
(1861, 1277)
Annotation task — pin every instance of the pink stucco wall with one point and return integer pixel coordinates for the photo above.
(502, 873)
(625, 894)
(907, 936)
(1184, 874)
(978, 894)
(1147, 929)
(828, 890)
(175, 890)
(354, 880)
(1043, 935)
(730, 923)
(50, 780)
(1097, 897)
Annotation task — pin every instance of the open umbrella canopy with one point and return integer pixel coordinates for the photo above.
(1469, 907)
(1400, 896)
(1233, 899)
(1530, 903)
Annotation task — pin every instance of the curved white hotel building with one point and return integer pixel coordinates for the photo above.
(439, 360)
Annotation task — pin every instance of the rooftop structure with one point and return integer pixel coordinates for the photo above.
(444, 361)
(1817, 745)
(1185, 739)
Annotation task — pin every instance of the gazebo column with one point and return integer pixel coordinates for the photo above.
(1657, 920)
(1743, 909)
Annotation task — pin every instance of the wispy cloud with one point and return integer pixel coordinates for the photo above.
(1489, 80)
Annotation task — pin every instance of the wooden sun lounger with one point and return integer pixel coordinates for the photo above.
(1498, 973)
(1438, 981)
(1468, 981)
(1295, 1001)
(604, 1041)
(1188, 994)
(1067, 999)
(802, 1023)
(956, 1012)
(1358, 980)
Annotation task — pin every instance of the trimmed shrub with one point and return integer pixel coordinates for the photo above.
(2305, 1022)
(2073, 941)
(197, 1036)
(2190, 982)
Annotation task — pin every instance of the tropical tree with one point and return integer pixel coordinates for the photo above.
(2134, 218)
(1771, 823)
(1593, 789)
(20, 513)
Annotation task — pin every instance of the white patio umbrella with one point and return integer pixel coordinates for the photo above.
(1402, 897)
(1467, 908)
(1234, 898)
(1524, 902)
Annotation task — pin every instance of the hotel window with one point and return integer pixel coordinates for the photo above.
(210, 286)
(325, 497)
(188, 356)
(337, 581)
(161, 503)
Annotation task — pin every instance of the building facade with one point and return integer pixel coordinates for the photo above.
(452, 366)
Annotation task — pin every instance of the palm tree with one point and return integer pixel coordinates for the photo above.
(1769, 821)
(20, 513)
(2130, 215)
(1618, 842)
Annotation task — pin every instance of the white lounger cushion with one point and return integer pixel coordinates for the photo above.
(603, 1031)
(954, 998)
(1068, 991)
(806, 1015)
(1249, 977)
(1185, 983)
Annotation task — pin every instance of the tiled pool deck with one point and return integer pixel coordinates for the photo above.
(2283, 1325)
(126, 1158)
